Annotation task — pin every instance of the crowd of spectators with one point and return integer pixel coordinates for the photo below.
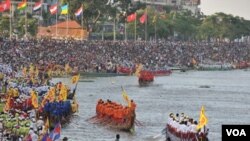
(87, 55)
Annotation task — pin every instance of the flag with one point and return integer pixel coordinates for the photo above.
(63, 93)
(75, 79)
(203, 118)
(22, 5)
(64, 9)
(37, 6)
(131, 17)
(125, 97)
(53, 9)
(46, 137)
(5, 6)
(79, 11)
(34, 99)
(143, 18)
(55, 134)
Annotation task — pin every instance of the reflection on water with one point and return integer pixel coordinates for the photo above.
(226, 102)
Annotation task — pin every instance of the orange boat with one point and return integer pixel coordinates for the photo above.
(115, 115)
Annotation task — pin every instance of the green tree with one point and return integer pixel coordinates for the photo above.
(185, 24)
(32, 25)
(4, 25)
(221, 26)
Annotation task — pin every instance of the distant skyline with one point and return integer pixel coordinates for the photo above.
(239, 8)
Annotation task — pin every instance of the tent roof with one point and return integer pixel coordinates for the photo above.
(71, 24)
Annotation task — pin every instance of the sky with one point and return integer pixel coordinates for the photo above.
(235, 7)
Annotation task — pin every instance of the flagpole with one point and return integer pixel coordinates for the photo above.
(114, 38)
(125, 28)
(155, 31)
(26, 21)
(56, 16)
(146, 22)
(154, 19)
(41, 12)
(135, 26)
(68, 21)
(82, 21)
(10, 19)
(31, 7)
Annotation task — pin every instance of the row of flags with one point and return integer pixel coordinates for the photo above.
(132, 18)
(5, 5)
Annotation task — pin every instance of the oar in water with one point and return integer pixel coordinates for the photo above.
(99, 120)
(163, 132)
(138, 122)
(96, 120)
(91, 118)
(108, 123)
(105, 120)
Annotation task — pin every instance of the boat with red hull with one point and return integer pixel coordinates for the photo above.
(145, 78)
(174, 135)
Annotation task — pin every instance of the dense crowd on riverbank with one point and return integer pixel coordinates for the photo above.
(87, 55)
(31, 105)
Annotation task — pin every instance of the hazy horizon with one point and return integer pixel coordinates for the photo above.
(235, 7)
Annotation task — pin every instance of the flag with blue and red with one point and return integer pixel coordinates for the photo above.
(46, 137)
(55, 135)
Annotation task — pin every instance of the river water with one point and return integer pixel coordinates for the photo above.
(227, 101)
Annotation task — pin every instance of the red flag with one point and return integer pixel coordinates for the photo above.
(38, 5)
(5, 6)
(143, 18)
(131, 17)
(53, 9)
